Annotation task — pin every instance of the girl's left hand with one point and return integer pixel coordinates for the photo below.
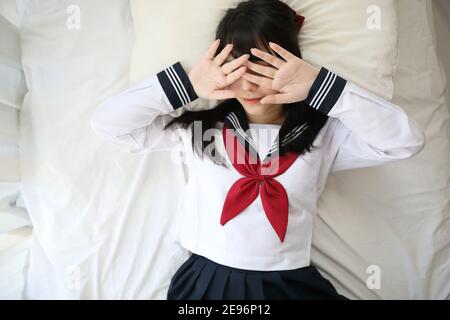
(293, 78)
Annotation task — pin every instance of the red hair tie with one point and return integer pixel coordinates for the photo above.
(299, 19)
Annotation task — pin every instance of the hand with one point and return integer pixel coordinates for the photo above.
(292, 78)
(209, 77)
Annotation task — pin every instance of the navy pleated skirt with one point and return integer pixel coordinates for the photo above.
(199, 278)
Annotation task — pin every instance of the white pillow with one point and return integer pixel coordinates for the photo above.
(335, 35)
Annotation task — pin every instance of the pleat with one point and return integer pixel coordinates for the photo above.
(216, 289)
(291, 289)
(208, 273)
(307, 283)
(274, 287)
(184, 280)
(332, 293)
(254, 287)
(235, 288)
(200, 278)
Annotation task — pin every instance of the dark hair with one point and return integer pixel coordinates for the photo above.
(252, 24)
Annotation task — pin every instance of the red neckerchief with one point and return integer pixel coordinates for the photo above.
(245, 190)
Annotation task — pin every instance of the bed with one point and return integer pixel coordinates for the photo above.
(79, 219)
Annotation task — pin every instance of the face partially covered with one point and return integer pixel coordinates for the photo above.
(246, 91)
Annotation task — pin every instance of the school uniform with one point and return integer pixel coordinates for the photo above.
(248, 224)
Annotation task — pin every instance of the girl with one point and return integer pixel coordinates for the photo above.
(247, 215)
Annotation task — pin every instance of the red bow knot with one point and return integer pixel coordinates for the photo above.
(257, 179)
(299, 19)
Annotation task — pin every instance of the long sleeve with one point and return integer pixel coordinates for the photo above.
(134, 119)
(372, 131)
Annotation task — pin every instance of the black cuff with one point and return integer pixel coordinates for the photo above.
(177, 86)
(325, 91)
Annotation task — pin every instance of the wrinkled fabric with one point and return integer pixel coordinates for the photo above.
(202, 279)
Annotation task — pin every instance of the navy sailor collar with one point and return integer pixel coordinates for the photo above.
(236, 119)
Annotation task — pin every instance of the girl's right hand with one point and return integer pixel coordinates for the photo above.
(209, 77)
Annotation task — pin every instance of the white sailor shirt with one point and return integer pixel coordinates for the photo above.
(362, 130)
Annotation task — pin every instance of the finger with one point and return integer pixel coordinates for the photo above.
(234, 64)
(263, 70)
(224, 94)
(276, 62)
(265, 82)
(234, 76)
(211, 52)
(220, 58)
(286, 55)
(276, 99)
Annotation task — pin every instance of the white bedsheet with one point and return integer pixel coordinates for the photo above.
(102, 218)
(15, 225)
(396, 217)
(67, 174)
